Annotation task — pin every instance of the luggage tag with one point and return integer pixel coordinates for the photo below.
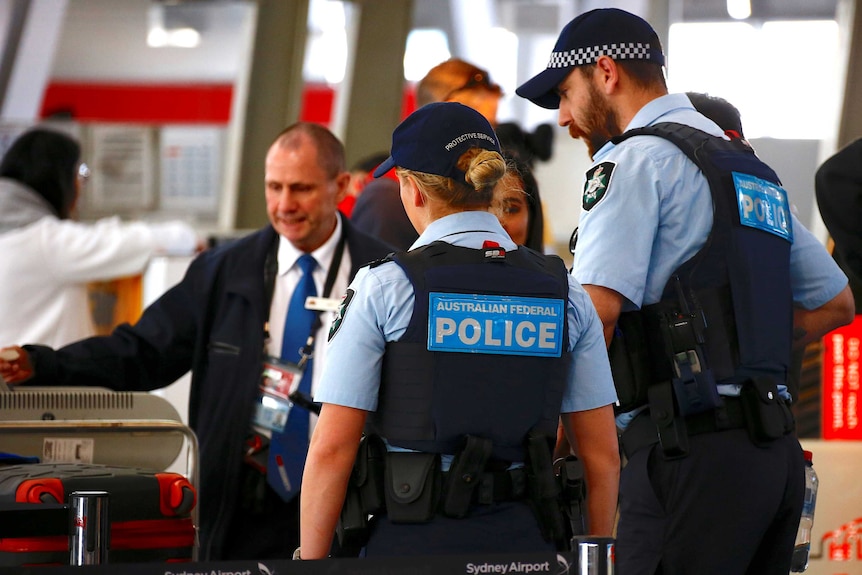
(278, 380)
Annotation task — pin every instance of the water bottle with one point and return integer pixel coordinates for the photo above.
(799, 563)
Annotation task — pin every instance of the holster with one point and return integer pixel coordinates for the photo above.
(543, 488)
(573, 495)
(412, 486)
(364, 494)
(767, 415)
(629, 359)
(368, 472)
(462, 479)
(352, 527)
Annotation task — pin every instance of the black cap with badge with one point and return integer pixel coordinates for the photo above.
(601, 32)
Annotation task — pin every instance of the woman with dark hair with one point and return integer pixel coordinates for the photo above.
(47, 163)
(48, 259)
(518, 206)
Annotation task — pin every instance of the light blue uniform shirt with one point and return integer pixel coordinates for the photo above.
(382, 304)
(656, 213)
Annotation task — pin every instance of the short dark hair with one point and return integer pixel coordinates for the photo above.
(719, 110)
(368, 163)
(45, 161)
(643, 74)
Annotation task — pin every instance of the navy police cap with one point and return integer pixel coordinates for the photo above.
(433, 138)
(601, 32)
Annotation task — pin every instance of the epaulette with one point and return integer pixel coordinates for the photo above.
(390, 257)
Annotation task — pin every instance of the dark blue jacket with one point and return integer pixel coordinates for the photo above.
(211, 323)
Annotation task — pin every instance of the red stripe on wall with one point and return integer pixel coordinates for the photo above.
(174, 103)
(317, 102)
(145, 103)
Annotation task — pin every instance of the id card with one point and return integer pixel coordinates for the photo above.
(278, 380)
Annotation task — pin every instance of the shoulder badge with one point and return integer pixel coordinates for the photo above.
(336, 323)
(596, 186)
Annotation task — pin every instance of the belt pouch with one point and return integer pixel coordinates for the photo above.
(368, 472)
(463, 476)
(412, 486)
(672, 432)
(766, 416)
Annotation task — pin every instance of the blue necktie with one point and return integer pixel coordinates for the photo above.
(288, 449)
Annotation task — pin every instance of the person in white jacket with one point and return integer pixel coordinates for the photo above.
(46, 258)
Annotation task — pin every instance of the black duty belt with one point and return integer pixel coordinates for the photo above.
(499, 486)
(642, 432)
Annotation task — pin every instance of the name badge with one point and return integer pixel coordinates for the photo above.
(763, 205)
(322, 303)
(278, 380)
(506, 325)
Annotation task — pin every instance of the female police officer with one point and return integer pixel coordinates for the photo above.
(461, 354)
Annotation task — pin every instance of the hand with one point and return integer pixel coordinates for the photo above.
(15, 366)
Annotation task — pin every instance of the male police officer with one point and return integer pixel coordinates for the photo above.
(708, 301)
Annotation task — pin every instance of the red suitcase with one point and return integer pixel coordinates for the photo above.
(150, 512)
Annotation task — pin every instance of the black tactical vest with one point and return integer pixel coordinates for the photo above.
(739, 282)
(429, 400)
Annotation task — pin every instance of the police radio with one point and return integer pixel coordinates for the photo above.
(693, 381)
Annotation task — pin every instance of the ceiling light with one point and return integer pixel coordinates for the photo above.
(739, 9)
(172, 25)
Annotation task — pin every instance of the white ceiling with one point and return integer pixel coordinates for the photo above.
(106, 40)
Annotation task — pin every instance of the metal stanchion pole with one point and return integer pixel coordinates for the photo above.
(89, 538)
(595, 555)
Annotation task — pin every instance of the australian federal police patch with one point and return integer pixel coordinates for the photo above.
(598, 181)
(763, 205)
(495, 324)
(336, 323)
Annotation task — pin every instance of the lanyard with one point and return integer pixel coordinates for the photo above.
(270, 270)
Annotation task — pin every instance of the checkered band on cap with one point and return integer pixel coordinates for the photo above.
(584, 56)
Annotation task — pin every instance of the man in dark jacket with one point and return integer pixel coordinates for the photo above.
(222, 321)
(838, 188)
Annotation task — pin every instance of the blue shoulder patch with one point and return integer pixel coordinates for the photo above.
(763, 205)
(507, 325)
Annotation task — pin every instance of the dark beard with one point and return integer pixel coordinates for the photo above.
(600, 124)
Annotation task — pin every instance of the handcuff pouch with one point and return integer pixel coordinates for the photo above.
(412, 486)
(767, 416)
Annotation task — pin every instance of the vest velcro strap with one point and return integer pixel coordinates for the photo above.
(498, 486)
(728, 416)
